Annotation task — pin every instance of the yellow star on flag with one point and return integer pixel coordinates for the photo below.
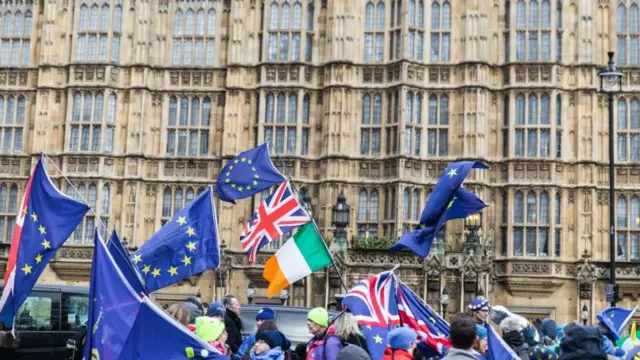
(146, 269)
(240, 188)
(190, 231)
(233, 186)
(452, 173)
(34, 217)
(39, 259)
(191, 246)
(250, 161)
(182, 220)
(452, 201)
(236, 161)
(378, 339)
(244, 159)
(46, 244)
(255, 183)
(155, 272)
(137, 258)
(227, 180)
(42, 230)
(186, 261)
(26, 269)
(173, 271)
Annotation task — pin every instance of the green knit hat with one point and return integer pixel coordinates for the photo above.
(209, 329)
(319, 316)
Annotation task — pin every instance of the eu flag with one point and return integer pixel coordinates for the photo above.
(44, 221)
(616, 319)
(497, 349)
(121, 257)
(449, 200)
(248, 174)
(126, 325)
(185, 246)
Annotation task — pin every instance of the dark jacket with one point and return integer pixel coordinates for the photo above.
(357, 340)
(194, 306)
(582, 342)
(233, 325)
(516, 342)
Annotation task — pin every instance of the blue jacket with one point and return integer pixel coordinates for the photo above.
(246, 346)
(273, 354)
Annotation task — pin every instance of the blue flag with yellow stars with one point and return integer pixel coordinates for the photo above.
(186, 245)
(126, 325)
(448, 200)
(121, 257)
(45, 220)
(248, 174)
(497, 349)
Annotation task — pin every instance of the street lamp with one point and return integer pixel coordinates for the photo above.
(473, 223)
(585, 314)
(251, 292)
(611, 84)
(340, 219)
(444, 302)
(284, 296)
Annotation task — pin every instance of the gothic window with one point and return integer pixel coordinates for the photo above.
(286, 31)
(93, 122)
(188, 126)
(534, 30)
(393, 118)
(628, 29)
(194, 35)
(374, 31)
(410, 209)
(628, 130)
(306, 124)
(558, 126)
(281, 122)
(533, 126)
(395, 31)
(98, 27)
(17, 21)
(628, 227)
(371, 126)
(415, 40)
(413, 123)
(531, 224)
(557, 221)
(12, 117)
(84, 233)
(440, 31)
(390, 213)
(368, 205)
(438, 126)
(8, 209)
(175, 199)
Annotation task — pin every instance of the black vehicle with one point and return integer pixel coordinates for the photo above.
(292, 321)
(48, 318)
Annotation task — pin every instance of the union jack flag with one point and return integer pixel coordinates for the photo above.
(373, 300)
(279, 213)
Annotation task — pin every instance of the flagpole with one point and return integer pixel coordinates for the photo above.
(97, 218)
(313, 221)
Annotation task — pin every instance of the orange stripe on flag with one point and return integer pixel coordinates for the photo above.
(273, 273)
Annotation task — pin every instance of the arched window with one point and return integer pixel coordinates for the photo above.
(88, 130)
(518, 207)
(306, 109)
(178, 202)
(415, 200)
(520, 109)
(273, 15)
(106, 200)
(373, 205)
(194, 35)
(621, 212)
(166, 202)
(531, 208)
(406, 205)
(544, 208)
(362, 206)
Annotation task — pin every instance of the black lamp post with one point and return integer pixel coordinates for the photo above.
(473, 223)
(251, 292)
(340, 219)
(444, 302)
(585, 314)
(611, 84)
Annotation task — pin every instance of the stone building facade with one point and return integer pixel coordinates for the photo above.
(139, 103)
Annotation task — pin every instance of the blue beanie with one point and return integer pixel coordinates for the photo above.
(215, 309)
(266, 313)
(401, 338)
(481, 331)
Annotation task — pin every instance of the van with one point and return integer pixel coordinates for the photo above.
(48, 318)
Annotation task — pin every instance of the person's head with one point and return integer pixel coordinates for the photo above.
(402, 338)
(215, 310)
(180, 313)
(317, 320)
(209, 329)
(480, 308)
(353, 352)
(267, 340)
(268, 325)
(511, 324)
(266, 313)
(232, 304)
(462, 331)
(346, 324)
(480, 345)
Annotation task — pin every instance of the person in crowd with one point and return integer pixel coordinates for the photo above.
(530, 336)
(582, 342)
(269, 345)
(512, 335)
(480, 345)
(463, 335)
(265, 314)
(180, 313)
(353, 352)
(194, 306)
(348, 330)
(232, 322)
(401, 343)
(301, 351)
(213, 332)
(216, 310)
(324, 345)
(548, 330)
(480, 309)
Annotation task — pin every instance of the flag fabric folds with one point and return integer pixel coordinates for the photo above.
(616, 319)
(121, 257)
(497, 349)
(248, 174)
(186, 245)
(279, 213)
(126, 325)
(46, 218)
(301, 255)
(447, 201)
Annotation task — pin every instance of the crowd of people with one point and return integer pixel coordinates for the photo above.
(341, 338)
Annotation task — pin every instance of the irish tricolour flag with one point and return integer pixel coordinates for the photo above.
(301, 255)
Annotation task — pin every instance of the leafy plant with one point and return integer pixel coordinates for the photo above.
(373, 243)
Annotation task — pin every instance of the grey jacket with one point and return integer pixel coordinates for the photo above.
(459, 354)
